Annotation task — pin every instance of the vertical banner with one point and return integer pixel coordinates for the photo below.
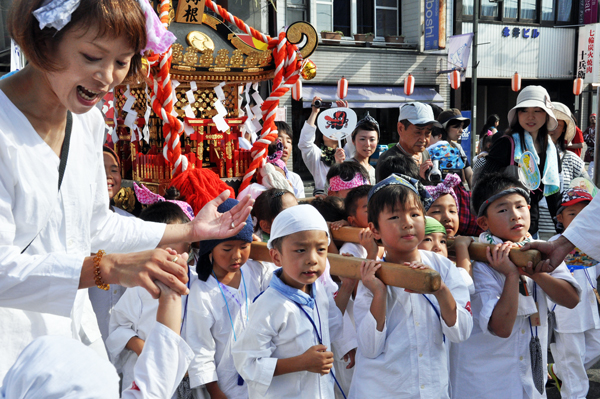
(459, 50)
(465, 137)
(587, 59)
(432, 24)
(590, 12)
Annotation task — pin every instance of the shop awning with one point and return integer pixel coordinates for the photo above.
(372, 96)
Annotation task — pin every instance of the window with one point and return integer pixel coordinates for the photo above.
(549, 12)
(386, 17)
(4, 38)
(296, 10)
(489, 9)
(342, 18)
(381, 17)
(324, 15)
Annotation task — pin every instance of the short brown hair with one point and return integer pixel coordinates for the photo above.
(114, 18)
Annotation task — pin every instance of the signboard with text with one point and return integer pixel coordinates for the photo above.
(432, 24)
(587, 59)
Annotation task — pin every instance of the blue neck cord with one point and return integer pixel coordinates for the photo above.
(227, 305)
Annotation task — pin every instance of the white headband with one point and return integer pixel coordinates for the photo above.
(295, 219)
(57, 14)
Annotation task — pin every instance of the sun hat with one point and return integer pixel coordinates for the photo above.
(418, 114)
(452, 114)
(534, 96)
(563, 113)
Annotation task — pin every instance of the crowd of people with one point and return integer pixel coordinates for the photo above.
(98, 303)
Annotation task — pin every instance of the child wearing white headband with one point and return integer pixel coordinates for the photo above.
(285, 350)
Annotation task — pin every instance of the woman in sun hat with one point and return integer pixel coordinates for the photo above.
(530, 121)
(572, 166)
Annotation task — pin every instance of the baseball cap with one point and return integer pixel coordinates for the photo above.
(573, 196)
(418, 114)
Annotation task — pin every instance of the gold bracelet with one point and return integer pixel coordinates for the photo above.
(97, 277)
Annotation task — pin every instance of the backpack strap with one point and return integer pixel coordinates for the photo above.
(512, 150)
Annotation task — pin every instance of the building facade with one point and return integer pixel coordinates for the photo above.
(537, 39)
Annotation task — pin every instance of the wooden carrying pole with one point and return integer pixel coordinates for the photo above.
(476, 249)
(426, 281)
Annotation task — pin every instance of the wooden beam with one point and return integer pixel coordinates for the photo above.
(476, 249)
(426, 281)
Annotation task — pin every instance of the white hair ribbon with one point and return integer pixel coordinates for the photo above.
(57, 14)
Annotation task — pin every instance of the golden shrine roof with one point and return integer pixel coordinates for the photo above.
(211, 51)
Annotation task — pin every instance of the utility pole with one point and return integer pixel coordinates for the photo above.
(474, 131)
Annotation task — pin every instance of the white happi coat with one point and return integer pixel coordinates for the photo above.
(493, 367)
(39, 288)
(408, 358)
(278, 329)
(208, 327)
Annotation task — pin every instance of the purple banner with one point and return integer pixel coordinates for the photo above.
(590, 12)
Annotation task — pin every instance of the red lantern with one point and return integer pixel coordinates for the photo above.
(455, 79)
(577, 86)
(342, 88)
(297, 90)
(515, 82)
(409, 85)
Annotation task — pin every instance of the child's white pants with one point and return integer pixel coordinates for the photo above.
(573, 354)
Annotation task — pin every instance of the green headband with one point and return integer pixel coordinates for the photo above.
(433, 226)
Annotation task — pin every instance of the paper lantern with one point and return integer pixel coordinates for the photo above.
(515, 82)
(297, 90)
(409, 85)
(342, 88)
(455, 79)
(577, 86)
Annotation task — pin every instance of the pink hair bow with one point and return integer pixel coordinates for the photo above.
(446, 187)
(337, 184)
(147, 197)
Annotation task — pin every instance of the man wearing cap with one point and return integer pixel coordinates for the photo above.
(414, 130)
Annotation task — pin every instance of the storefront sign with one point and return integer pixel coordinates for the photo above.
(586, 54)
(525, 33)
(590, 12)
(432, 24)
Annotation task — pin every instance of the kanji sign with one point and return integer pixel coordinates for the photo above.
(190, 11)
(586, 54)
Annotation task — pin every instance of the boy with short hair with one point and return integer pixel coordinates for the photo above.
(505, 356)
(285, 350)
(401, 333)
(577, 331)
(286, 135)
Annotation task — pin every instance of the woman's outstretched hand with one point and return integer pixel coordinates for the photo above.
(210, 224)
(555, 251)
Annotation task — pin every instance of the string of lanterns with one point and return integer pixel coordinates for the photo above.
(409, 84)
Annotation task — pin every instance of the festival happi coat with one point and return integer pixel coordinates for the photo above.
(202, 95)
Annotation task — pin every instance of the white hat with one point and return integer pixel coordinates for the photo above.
(418, 114)
(563, 113)
(534, 96)
(295, 219)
